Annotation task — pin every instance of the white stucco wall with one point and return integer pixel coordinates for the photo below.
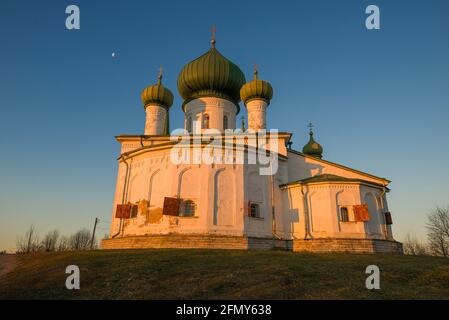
(216, 190)
(222, 192)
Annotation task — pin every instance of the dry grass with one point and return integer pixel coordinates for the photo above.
(219, 274)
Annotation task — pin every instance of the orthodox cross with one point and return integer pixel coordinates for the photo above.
(255, 71)
(310, 126)
(159, 76)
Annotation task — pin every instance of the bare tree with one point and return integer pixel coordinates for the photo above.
(63, 244)
(53, 241)
(438, 231)
(80, 240)
(50, 240)
(413, 247)
(28, 243)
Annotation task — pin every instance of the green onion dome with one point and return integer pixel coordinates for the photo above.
(256, 89)
(211, 75)
(157, 94)
(313, 148)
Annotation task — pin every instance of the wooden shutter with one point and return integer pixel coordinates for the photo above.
(118, 211)
(388, 219)
(123, 211)
(361, 212)
(171, 206)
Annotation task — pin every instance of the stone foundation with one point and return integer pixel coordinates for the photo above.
(178, 241)
(347, 245)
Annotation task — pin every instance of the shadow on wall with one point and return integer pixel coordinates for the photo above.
(373, 227)
(293, 215)
(303, 169)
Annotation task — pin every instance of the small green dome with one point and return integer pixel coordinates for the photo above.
(313, 148)
(211, 75)
(256, 89)
(157, 94)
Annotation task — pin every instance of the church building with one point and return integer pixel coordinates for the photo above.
(169, 194)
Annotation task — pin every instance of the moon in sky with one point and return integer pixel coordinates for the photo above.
(113, 54)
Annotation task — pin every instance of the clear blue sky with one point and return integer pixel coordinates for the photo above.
(379, 99)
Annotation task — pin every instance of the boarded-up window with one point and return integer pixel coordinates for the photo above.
(123, 211)
(361, 212)
(171, 206)
(388, 219)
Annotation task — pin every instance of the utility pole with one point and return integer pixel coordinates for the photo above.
(93, 234)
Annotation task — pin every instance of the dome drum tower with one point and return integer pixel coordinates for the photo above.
(157, 100)
(210, 86)
(257, 114)
(156, 119)
(210, 113)
(256, 95)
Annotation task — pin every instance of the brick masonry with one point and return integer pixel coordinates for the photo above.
(242, 243)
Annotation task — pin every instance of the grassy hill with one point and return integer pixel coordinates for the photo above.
(219, 274)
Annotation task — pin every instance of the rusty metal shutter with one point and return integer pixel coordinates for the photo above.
(171, 206)
(361, 212)
(123, 211)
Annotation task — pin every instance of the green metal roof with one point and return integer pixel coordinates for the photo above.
(328, 178)
(157, 94)
(313, 148)
(256, 89)
(211, 75)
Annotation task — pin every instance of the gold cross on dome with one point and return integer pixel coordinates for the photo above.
(159, 76)
(255, 71)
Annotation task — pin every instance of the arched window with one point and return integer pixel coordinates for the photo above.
(189, 124)
(206, 121)
(344, 214)
(254, 210)
(188, 208)
(225, 122)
